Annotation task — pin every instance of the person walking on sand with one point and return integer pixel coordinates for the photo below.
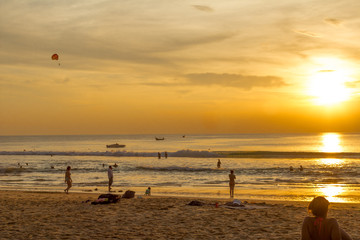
(110, 176)
(68, 179)
(232, 178)
(319, 226)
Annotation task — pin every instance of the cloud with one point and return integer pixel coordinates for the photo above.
(203, 8)
(307, 33)
(326, 70)
(352, 84)
(333, 21)
(235, 80)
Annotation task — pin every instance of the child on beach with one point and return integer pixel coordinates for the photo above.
(68, 179)
(148, 191)
(232, 178)
(320, 227)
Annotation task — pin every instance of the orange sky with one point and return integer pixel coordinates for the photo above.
(136, 67)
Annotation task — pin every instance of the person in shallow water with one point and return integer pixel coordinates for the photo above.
(110, 176)
(232, 178)
(219, 164)
(68, 179)
(319, 227)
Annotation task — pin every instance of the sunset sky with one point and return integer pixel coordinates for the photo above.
(165, 66)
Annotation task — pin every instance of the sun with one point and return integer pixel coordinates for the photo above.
(328, 85)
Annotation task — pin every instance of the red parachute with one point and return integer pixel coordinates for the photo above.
(55, 57)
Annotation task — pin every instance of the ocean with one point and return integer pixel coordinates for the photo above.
(261, 162)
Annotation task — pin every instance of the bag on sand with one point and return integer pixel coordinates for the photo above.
(196, 203)
(128, 194)
(106, 198)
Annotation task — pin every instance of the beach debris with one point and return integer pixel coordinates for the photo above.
(128, 194)
(237, 204)
(196, 203)
(106, 199)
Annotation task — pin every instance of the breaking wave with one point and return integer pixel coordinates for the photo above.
(196, 154)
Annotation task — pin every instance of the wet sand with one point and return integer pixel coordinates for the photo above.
(44, 215)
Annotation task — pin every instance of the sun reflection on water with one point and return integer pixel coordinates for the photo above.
(332, 192)
(331, 143)
(330, 161)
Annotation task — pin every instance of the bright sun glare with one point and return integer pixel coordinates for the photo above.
(328, 84)
(331, 192)
(331, 143)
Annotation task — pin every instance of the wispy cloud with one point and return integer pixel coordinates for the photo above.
(203, 8)
(333, 21)
(355, 84)
(307, 33)
(235, 80)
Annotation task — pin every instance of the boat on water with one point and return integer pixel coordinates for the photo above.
(158, 139)
(116, 145)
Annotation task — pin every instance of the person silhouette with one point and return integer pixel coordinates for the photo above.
(110, 176)
(320, 226)
(232, 178)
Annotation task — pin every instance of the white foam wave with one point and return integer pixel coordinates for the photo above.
(181, 153)
(174, 168)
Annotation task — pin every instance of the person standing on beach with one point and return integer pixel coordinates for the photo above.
(232, 178)
(219, 164)
(68, 179)
(111, 177)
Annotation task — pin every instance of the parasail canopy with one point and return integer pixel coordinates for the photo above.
(55, 57)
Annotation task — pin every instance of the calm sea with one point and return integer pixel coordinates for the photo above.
(261, 162)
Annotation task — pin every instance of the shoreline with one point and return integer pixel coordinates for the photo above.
(55, 215)
(291, 195)
(183, 197)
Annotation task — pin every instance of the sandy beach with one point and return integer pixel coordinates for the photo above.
(44, 215)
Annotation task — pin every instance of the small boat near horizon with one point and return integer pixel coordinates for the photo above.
(116, 145)
(159, 139)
